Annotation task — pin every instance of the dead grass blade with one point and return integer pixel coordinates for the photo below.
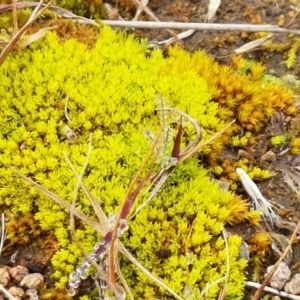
(2, 233)
(142, 6)
(213, 6)
(103, 221)
(15, 20)
(196, 148)
(253, 45)
(35, 36)
(223, 292)
(140, 9)
(258, 199)
(180, 36)
(283, 241)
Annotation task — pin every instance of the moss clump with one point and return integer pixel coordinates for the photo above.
(91, 8)
(56, 87)
(185, 221)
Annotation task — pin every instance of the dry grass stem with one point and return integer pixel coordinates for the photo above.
(272, 291)
(198, 26)
(2, 233)
(142, 6)
(191, 150)
(15, 20)
(253, 45)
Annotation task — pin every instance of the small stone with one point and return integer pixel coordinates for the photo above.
(280, 277)
(293, 287)
(269, 156)
(4, 277)
(18, 273)
(113, 14)
(275, 298)
(32, 281)
(33, 294)
(16, 292)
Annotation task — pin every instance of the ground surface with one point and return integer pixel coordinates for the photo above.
(221, 45)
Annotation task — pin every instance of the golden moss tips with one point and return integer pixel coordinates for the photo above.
(295, 146)
(257, 71)
(259, 242)
(239, 210)
(254, 217)
(292, 53)
(67, 29)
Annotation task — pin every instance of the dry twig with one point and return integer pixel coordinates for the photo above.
(198, 26)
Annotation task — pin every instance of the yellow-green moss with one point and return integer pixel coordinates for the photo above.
(110, 91)
(295, 146)
(186, 220)
(83, 8)
(278, 140)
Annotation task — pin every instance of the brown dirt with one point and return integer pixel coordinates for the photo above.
(221, 44)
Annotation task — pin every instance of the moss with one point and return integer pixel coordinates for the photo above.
(186, 221)
(91, 8)
(278, 140)
(109, 90)
(295, 146)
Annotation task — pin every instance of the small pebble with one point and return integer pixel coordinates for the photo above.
(32, 281)
(293, 287)
(18, 273)
(32, 293)
(280, 277)
(269, 156)
(4, 276)
(17, 292)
